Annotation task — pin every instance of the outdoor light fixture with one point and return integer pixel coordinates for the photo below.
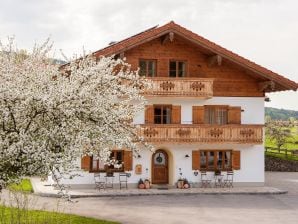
(186, 156)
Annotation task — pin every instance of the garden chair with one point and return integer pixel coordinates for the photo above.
(123, 180)
(205, 182)
(228, 182)
(100, 181)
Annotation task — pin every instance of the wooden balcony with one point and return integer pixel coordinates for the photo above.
(190, 87)
(190, 133)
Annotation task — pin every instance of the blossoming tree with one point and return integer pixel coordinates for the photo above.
(49, 117)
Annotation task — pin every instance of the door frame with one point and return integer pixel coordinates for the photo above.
(166, 164)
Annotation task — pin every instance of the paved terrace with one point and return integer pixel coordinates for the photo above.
(42, 189)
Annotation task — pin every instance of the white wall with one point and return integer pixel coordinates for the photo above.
(253, 107)
(252, 156)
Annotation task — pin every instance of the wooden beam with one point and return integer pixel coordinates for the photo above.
(215, 60)
(167, 37)
(265, 85)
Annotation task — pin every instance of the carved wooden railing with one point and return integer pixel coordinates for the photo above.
(192, 87)
(239, 134)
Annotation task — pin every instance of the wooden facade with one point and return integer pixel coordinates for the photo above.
(183, 133)
(225, 79)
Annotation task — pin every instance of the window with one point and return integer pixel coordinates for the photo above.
(177, 69)
(216, 160)
(216, 114)
(116, 156)
(162, 114)
(147, 68)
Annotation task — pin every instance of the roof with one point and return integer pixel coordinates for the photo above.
(156, 32)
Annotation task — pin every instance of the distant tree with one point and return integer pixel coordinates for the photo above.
(278, 133)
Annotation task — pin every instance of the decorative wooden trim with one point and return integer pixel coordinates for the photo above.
(203, 133)
(192, 87)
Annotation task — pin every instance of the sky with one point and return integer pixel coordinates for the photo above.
(264, 31)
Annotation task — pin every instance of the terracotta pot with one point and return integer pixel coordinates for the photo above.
(180, 184)
(141, 186)
(147, 184)
(186, 186)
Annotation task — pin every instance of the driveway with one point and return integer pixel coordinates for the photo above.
(200, 209)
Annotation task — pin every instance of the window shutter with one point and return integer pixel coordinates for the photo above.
(236, 160)
(198, 114)
(127, 159)
(176, 114)
(234, 115)
(149, 114)
(86, 163)
(196, 160)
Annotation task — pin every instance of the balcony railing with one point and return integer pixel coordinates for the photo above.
(191, 87)
(239, 134)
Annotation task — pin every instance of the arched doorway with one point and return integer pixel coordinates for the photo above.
(160, 169)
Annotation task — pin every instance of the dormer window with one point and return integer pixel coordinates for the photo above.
(147, 67)
(177, 69)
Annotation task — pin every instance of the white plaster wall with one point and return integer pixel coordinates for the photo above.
(252, 156)
(252, 164)
(253, 107)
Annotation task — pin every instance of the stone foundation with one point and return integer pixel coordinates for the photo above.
(277, 164)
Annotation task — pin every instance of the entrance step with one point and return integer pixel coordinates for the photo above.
(162, 186)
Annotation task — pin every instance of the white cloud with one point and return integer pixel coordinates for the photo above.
(264, 31)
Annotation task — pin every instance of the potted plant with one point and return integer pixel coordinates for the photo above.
(141, 184)
(180, 183)
(147, 184)
(186, 184)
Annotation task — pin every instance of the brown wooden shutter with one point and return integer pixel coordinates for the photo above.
(234, 115)
(236, 158)
(176, 114)
(196, 160)
(149, 114)
(127, 159)
(86, 163)
(198, 114)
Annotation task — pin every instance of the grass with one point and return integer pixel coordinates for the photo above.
(17, 216)
(24, 186)
(282, 156)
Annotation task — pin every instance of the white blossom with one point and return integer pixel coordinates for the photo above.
(49, 117)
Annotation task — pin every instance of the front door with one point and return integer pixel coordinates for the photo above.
(160, 171)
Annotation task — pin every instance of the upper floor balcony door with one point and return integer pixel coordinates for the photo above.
(176, 82)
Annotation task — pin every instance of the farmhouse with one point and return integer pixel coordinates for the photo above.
(204, 113)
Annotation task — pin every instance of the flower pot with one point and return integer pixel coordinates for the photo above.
(186, 186)
(180, 184)
(141, 186)
(147, 184)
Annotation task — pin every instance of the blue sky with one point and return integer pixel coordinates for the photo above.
(264, 31)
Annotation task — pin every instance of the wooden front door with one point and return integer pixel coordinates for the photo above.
(160, 172)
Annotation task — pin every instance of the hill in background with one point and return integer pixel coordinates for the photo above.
(280, 114)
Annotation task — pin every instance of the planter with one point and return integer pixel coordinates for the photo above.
(186, 186)
(141, 186)
(180, 184)
(147, 184)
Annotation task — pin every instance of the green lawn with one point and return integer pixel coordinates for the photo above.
(24, 186)
(282, 156)
(18, 216)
